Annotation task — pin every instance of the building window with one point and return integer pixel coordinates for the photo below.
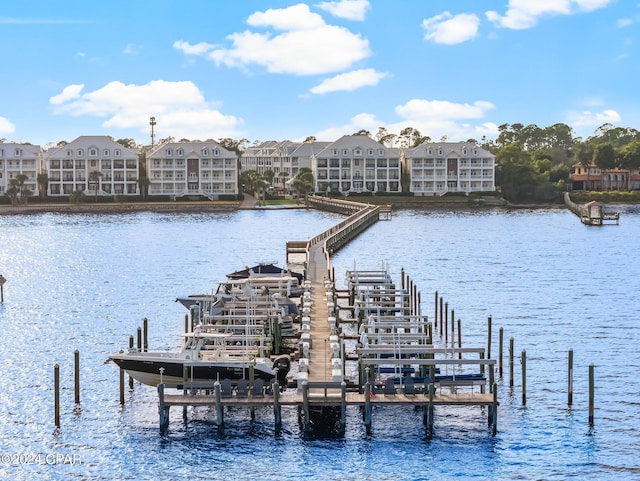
(117, 152)
(79, 152)
(69, 153)
(18, 152)
(216, 153)
(168, 152)
(205, 152)
(93, 152)
(105, 153)
(180, 152)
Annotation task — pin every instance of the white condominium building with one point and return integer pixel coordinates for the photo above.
(16, 159)
(94, 164)
(357, 163)
(177, 169)
(441, 167)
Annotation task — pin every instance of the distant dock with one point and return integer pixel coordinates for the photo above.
(592, 213)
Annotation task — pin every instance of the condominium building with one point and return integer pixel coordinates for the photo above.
(177, 169)
(357, 163)
(94, 164)
(16, 159)
(440, 167)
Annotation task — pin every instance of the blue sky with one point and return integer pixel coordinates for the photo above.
(277, 70)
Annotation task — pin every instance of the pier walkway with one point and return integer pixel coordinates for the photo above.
(320, 381)
(592, 213)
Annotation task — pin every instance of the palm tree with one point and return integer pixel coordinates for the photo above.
(43, 184)
(94, 178)
(303, 182)
(143, 183)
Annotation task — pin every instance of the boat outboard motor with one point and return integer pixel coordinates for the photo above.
(283, 365)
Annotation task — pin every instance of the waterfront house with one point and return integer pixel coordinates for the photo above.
(94, 164)
(178, 169)
(596, 179)
(355, 164)
(440, 167)
(16, 159)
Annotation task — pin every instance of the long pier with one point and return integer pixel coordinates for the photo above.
(393, 335)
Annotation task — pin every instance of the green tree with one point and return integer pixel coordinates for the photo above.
(43, 184)
(604, 156)
(309, 139)
(77, 197)
(385, 138)
(143, 184)
(94, 179)
(303, 182)
(127, 143)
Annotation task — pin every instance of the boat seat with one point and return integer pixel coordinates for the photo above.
(242, 389)
(258, 388)
(226, 388)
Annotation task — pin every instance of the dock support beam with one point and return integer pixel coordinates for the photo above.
(219, 408)
(429, 413)
(591, 393)
(367, 407)
(76, 376)
(163, 410)
(343, 404)
(56, 395)
(570, 379)
(305, 405)
(524, 378)
(277, 410)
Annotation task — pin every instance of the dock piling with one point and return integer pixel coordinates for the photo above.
(219, 409)
(277, 409)
(121, 386)
(163, 411)
(76, 376)
(570, 379)
(511, 362)
(524, 377)
(500, 352)
(56, 394)
(145, 331)
(489, 322)
(130, 377)
(591, 393)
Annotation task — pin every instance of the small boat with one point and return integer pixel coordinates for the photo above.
(205, 358)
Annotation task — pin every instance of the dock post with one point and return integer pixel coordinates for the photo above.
(163, 411)
(511, 362)
(277, 410)
(219, 409)
(305, 404)
(489, 321)
(419, 303)
(500, 352)
(591, 393)
(494, 410)
(367, 407)
(459, 338)
(343, 404)
(130, 376)
(435, 309)
(491, 377)
(56, 394)
(446, 324)
(441, 302)
(186, 325)
(453, 328)
(482, 370)
(76, 376)
(145, 331)
(432, 390)
(139, 339)
(570, 379)
(524, 377)
(121, 387)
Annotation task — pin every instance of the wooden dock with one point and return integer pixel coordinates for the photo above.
(592, 213)
(394, 338)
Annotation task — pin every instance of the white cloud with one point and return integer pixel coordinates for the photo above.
(132, 49)
(588, 119)
(434, 119)
(70, 92)
(420, 109)
(349, 81)
(624, 22)
(305, 46)
(349, 9)
(179, 107)
(522, 14)
(6, 127)
(449, 29)
(201, 48)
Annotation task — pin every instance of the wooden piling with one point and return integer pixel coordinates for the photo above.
(453, 327)
(500, 352)
(367, 407)
(441, 309)
(163, 410)
(76, 376)
(446, 324)
(524, 378)
(570, 379)
(591, 393)
(219, 409)
(139, 339)
(121, 386)
(343, 404)
(56, 395)
(145, 331)
(277, 409)
(511, 362)
(489, 321)
(435, 309)
(459, 338)
(130, 376)
(432, 390)
(305, 405)
(495, 410)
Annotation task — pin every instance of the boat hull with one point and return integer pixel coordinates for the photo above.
(176, 371)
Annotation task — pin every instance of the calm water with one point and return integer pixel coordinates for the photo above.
(86, 282)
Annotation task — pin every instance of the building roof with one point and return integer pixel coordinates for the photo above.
(88, 141)
(352, 142)
(447, 148)
(192, 148)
